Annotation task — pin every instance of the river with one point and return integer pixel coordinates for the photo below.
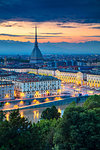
(34, 114)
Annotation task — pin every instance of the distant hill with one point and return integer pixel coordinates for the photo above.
(16, 47)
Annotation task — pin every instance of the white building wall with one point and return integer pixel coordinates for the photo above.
(6, 91)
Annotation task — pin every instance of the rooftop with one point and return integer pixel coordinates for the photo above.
(24, 77)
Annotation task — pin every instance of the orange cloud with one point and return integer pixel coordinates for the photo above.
(49, 31)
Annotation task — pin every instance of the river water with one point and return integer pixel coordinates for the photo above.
(34, 114)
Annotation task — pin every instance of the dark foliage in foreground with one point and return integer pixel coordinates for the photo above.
(78, 129)
(18, 134)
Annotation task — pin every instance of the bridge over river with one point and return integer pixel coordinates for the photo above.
(40, 102)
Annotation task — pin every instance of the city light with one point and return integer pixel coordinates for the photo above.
(47, 100)
(36, 114)
(58, 98)
(15, 94)
(59, 91)
(77, 89)
(59, 110)
(36, 101)
(6, 104)
(47, 92)
(7, 96)
(7, 116)
(21, 114)
(21, 103)
(22, 95)
(37, 94)
(91, 92)
(15, 106)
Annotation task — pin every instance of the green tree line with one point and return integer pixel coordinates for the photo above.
(77, 129)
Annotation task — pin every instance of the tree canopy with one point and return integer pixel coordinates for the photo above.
(79, 129)
(18, 133)
(92, 102)
(50, 113)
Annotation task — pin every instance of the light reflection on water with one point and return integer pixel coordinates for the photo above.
(34, 115)
(7, 116)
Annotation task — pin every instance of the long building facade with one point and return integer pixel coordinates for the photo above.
(28, 86)
(79, 78)
(69, 77)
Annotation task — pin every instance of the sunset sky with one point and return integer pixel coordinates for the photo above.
(57, 20)
(49, 31)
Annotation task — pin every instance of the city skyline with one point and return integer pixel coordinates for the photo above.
(49, 74)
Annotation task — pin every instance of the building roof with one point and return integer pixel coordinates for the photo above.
(24, 77)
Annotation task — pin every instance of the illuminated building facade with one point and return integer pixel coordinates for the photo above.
(6, 90)
(69, 77)
(46, 72)
(27, 86)
(93, 80)
(22, 70)
(79, 78)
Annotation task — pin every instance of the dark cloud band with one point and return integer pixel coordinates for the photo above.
(30, 36)
(87, 11)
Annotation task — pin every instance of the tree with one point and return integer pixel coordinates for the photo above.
(92, 102)
(18, 133)
(2, 115)
(46, 130)
(50, 113)
(79, 129)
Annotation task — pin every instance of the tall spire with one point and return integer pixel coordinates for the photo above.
(36, 43)
(36, 55)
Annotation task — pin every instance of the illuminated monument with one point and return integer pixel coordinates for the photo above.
(36, 55)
